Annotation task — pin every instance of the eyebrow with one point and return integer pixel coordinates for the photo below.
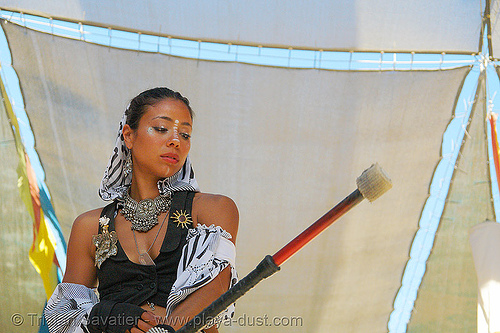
(170, 119)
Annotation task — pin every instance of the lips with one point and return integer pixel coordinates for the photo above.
(171, 158)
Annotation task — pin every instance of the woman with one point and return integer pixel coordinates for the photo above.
(161, 251)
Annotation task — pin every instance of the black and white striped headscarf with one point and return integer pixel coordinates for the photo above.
(115, 183)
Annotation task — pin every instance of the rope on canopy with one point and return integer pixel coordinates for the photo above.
(229, 52)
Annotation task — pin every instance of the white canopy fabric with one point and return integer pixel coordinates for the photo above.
(495, 28)
(420, 26)
(485, 244)
(447, 297)
(285, 144)
(21, 287)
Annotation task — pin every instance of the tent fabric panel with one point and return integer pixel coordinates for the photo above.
(447, 298)
(434, 26)
(21, 289)
(485, 244)
(495, 29)
(285, 144)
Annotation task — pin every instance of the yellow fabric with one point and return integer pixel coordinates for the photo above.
(42, 257)
(41, 253)
(21, 289)
(22, 181)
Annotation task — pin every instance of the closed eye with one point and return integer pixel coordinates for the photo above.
(161, 129)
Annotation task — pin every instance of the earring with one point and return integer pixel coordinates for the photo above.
(127, 168)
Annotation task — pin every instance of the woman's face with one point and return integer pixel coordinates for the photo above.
(161, 143)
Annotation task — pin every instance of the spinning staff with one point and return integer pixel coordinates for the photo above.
(372, 183)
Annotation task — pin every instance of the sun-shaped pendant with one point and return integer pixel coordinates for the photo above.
(182, 218)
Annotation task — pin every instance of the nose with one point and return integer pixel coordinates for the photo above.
(173, 140)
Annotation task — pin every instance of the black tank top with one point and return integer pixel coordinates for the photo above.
(121, 280)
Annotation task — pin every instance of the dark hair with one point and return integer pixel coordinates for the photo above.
(150, 97)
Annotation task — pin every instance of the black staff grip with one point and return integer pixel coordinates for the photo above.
(264, 269)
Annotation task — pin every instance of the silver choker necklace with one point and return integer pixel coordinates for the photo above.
(144, 214)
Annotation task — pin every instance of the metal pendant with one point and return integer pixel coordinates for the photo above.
(143, 215)
(105, 243)
(145, 259)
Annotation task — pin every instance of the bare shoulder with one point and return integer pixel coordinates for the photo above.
(80, 266)
(87, 222)
(84, 228)
(216, 209)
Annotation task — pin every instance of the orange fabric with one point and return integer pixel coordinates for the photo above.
(35, 198)
(494, 141)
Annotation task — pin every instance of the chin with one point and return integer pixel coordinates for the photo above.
(171, 171)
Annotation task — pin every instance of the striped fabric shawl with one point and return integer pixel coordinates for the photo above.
(208, 252)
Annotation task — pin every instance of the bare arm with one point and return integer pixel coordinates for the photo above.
(80, 267)
(221, 211)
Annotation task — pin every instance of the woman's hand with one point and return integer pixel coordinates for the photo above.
(147, 321)
(114, 317)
